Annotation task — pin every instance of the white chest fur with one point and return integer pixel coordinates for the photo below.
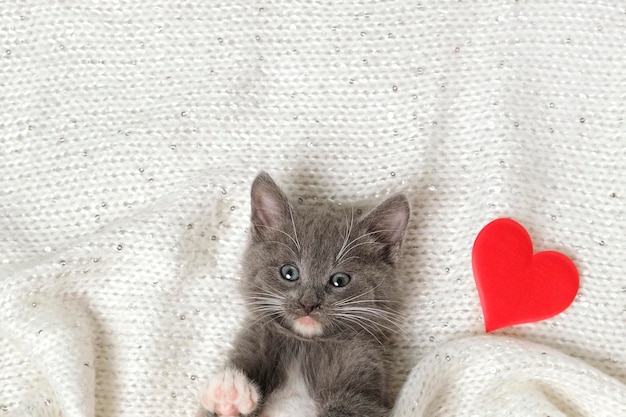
(293, 398)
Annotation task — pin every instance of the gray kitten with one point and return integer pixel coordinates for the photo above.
(322, 300)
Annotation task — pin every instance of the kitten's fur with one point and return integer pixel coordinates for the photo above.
(333, 362)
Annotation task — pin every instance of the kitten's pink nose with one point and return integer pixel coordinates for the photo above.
(309, 307)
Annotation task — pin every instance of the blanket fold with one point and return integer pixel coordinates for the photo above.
(498, 376)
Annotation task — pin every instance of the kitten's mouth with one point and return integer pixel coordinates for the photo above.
(307, 326)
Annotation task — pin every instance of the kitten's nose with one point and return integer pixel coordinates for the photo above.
(309, 307)
(309, 300)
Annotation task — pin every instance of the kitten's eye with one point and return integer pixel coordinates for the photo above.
(289, 272)
(339, 279)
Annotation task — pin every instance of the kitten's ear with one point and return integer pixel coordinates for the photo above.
(387, 224)
(269, 204)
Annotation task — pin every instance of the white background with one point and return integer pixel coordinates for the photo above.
(130, 133)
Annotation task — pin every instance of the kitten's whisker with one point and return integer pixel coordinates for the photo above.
(349, 299)
(264, 303)
(393, 318)
(377, 314)
(265, 291)
(368, 301)
(355, 321)
(354, 297)
(265, 308)
(380, 326)
(267, 317)
(347, 236)
(265, 295)
(356, 239)
(393, 321)
(293, 224)
(346, 260)
(295, 241)
(287, 246)
(265, 299)
(361, 244)
(373, 310)
(258, 319)
(364, 236)
(347, 323)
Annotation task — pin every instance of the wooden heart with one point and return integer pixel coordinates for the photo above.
(516, 286)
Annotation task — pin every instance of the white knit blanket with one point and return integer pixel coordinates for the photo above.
(130, 132)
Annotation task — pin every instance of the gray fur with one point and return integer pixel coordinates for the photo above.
(345, 367)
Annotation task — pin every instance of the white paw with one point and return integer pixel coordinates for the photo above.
(230, 393)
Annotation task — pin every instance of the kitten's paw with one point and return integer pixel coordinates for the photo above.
(230, 393)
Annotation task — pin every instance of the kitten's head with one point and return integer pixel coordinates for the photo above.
(320, 270)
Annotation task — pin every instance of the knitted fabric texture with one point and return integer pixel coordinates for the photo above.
(130, 133)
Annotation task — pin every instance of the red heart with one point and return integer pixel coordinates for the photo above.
(514, 285)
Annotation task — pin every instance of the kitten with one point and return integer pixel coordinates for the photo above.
(322, 299)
